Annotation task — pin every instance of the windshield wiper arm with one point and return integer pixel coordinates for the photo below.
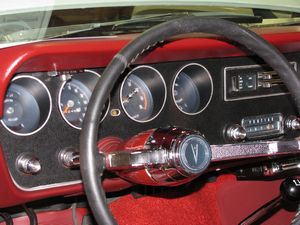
(143, 22)
(138, 24)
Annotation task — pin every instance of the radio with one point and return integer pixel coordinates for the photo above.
(261, 127)
(268, 125)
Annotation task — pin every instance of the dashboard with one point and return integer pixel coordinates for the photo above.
(202, 84)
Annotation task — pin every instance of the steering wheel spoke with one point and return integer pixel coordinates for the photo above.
(254, 150)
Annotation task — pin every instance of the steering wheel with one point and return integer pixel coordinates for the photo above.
(92, 163)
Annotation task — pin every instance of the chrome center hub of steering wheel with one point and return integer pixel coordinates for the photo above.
(194, 154)
(161, 157)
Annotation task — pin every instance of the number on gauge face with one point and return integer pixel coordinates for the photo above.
(186, 94)
(73, 102)
(136, 99)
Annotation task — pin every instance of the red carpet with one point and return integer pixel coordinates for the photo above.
(226, 201)
(198, 208)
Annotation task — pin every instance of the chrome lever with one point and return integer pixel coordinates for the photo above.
(128, 160)
(257, 149)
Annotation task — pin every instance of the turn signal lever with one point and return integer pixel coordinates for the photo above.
(164, 157)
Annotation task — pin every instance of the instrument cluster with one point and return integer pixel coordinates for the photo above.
(142, 96)
(44, 112)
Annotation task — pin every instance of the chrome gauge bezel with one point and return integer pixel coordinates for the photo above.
(49, 111)
(164, 90)
(59, 101)
(201, 109)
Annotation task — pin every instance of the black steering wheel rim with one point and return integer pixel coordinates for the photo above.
(92, 163)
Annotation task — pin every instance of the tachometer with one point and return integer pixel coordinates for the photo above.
(192, 89)
(75, 95)
(137, 98)
(143, 94)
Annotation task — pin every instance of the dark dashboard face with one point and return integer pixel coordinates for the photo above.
(43, 112)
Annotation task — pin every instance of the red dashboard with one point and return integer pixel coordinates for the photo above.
(65, 56)
(97, 52)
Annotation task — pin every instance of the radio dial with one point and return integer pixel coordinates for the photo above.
(292, 123)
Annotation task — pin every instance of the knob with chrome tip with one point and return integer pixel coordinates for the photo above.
(28, 164)
(69, 158)
(292, 123)
(236, 133)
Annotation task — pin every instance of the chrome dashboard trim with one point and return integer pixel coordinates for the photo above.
(45, 187)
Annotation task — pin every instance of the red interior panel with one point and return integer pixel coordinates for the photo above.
(224, 196)
(88, 53)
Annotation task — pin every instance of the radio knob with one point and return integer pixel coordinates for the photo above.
(28, 164)
(236, 133)
(292, 123)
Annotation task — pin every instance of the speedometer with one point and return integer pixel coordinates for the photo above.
(143, 94)
(73, 102)
(75, 95)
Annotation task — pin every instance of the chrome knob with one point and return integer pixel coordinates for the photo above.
(292, 123)
(236, 133)
(69, 157)
(28, 164)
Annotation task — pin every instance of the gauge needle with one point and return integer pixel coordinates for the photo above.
(66, 109)
(130, 95)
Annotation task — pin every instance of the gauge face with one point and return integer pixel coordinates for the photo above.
(73, 102)
(27, 106)
(137, 99)
(21, 110)
(192, 89)
(143, 94)
(75, 95)
(186, 94)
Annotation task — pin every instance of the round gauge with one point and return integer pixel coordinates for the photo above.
(192, 89)
(137, 98)
(141, 94)
(75, 95)
(73, 102)
(27, 106)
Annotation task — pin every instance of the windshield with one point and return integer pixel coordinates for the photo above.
(47, 19)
